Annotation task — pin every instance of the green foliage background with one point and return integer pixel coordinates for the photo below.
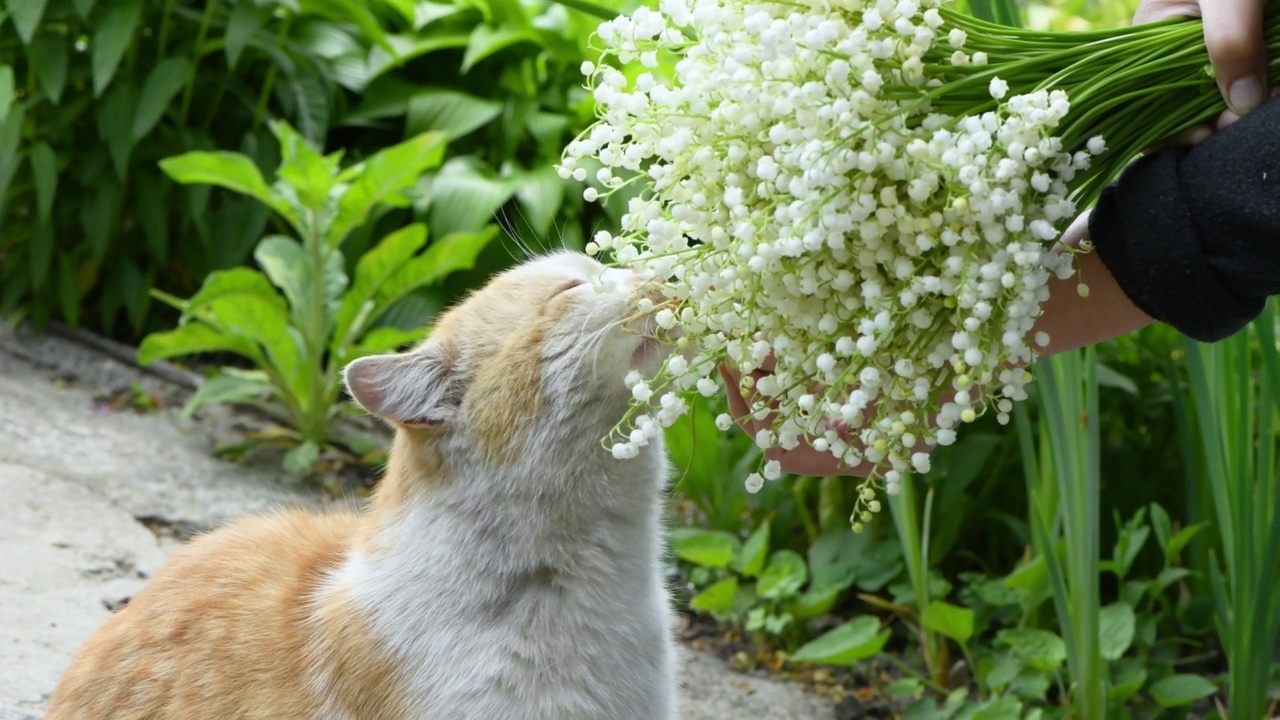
(1169, 527)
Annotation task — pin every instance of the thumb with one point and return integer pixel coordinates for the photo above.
(1233, 35)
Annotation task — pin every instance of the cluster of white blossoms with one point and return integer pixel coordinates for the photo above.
(812, 210)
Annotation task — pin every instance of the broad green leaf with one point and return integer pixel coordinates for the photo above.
(1005, 708)
(232, 171)
(44, 169)
(448, 111)
(750, 559)
(98, 213)
(717, 598)
(907, 687)
(1004, 670)
(49, 57)
(237, 283)
(313, 175)
(404, 7)
(485, 41)
(785, 574)
(135, 289)
(1039, 648)
(245, 19)
(301, 458)
(1128, 680)
(83, 7)
(6, 91)
(1177, 690)
(310, 96)
(425, 13)
(847, 645)
(373, 270)
(465, 194)
(540, 192)
(408, 47)
(383, 177)
(162, 84)
(813, 602)
(1115, 629)
(708, 548)
(386, 338)
(191, 338)
(443, 257)
(290, 268)
(356, 13)
(229, 387)
(950, 620)
(26, 16)
(112, 34)
(1167, 577)
(115, 123)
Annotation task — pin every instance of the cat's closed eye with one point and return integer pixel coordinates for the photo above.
(567, 286)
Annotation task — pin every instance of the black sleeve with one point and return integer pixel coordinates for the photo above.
(1192, 235)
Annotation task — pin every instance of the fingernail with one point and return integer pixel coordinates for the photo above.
(1245, 94)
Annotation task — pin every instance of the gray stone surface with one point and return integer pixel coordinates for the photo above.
(67, 557)
(74, 480)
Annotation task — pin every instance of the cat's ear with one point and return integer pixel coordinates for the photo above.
(418, 387)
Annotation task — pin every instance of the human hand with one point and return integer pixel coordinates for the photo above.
(1233, 35)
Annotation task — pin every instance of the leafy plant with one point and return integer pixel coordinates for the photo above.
(302, 318)
(1232, 386)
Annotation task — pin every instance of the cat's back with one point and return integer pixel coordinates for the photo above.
(222, 631)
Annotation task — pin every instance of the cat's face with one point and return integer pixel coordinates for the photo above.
(552, 338)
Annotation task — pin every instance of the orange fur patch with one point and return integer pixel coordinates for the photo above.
(225, 628)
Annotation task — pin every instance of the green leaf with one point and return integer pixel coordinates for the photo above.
(1005, 708)
(847, 645)
(708, 548)
(229, 387)
(1115, 629)
(540, 192)
(311, 174)
(83, 7)
(448, 111)
(112, 35)
(387, 338)
(717, 598)
(1109, 377)
(6, 91)
(49, 57)
(383, 177)
(907, 687)
(950, 620)
(162, 84)
(115, 118)
(245, 19)
(1039, 648)
(373, 270)
(229, 170)
(1128, 680)
(485, 41)
(750, 560)
(813, 602)
(301, 458)
(465, 194)
(1177, 690)
(356, 13)
(26, 16)
(289, 267)
(189, 339)
(785, 574)
(238, 284)
(44, 169)
(1179, 541)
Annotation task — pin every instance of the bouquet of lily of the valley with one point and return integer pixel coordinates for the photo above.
(867, 193)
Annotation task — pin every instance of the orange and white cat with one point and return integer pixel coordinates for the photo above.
(507, 569)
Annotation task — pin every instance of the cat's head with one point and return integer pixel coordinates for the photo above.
(542, 347)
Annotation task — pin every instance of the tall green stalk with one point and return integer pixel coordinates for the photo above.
(914, 540)
(1069, 386)
(1233, 386)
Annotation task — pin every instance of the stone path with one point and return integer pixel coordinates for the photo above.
(77, 483)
